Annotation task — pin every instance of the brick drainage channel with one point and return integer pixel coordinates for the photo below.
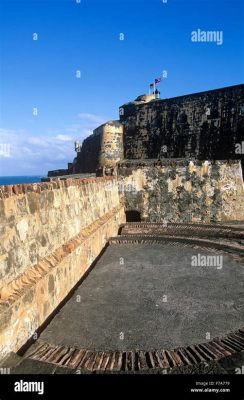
(217, 246)
(200, 230)
(162, 359)
(138, 360)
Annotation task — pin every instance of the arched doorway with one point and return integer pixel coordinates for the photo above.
(133, 216)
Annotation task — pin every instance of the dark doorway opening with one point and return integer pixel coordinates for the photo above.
(133, 216)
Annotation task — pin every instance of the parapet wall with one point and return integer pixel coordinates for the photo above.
(50, 235)
(41, 217)
(183, 191)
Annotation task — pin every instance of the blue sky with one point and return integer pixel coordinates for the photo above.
(85, 37)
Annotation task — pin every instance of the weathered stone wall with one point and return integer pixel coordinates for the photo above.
(50, 235)
(183, 191)
(112, 150)
(103, 148)
(205, 125)
(34, 223)
(88, 158)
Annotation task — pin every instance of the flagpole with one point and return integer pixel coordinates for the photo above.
(154, 89)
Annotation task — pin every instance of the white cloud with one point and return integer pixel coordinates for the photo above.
(95, 119)
(36, 154)
(30, 155)
(87, 123)
(73, 128)
(64, 138)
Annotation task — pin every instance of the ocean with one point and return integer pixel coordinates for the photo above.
(14, 180)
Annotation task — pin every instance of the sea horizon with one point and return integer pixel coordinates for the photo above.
(20, 179)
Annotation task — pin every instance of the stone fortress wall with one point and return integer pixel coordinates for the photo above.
(111, 144)
(195, 132)
(177, 190)
(50, 235)
(103, 148)
(194, 138)
(205, 126)
(174, 160)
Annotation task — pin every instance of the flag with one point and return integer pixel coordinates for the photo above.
(158, 80)
(152, 86)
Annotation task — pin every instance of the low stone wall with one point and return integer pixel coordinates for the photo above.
(183, 191)
(37, 219)
(50, 235)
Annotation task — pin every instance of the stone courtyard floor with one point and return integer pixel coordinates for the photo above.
(145, 306)
(148, 297)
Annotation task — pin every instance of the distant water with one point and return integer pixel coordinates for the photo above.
(14, 180)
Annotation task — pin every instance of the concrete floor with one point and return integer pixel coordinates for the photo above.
(123, 306)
